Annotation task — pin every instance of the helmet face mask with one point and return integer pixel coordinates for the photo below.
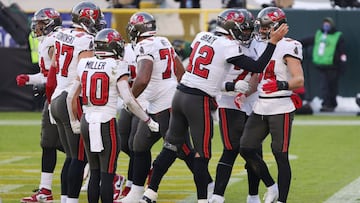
(141, 24)
(267, 19)
(109, 43)
(88, 16)
(236, 22)
(45, 21)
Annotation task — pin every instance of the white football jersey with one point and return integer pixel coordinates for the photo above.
(161, 88)
(207, 64)
(99, 90)
(235, 73)
(130, 58)
(45, 43)
(44, 59)
(68, 45)
(277, 70)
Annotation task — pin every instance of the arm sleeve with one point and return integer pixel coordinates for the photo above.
(130, 101)
(251, 65)
(37, 78)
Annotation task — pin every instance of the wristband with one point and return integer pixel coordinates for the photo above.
(282, 85)
(229, 86)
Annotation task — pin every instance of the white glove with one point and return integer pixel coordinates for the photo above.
(75, 126)
(241, 86)
(153, 125)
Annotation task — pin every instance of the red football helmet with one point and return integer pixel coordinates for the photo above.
(45, 21)
(88, 16)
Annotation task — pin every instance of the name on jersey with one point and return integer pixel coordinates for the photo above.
(95, 65)
(65, 38)
(208, 38)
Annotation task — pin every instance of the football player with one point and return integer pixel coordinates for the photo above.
(44, 25)
(194, 99)
(158, 71)
(275, 107)
(103, 78)
(71, 45)
(233, 111)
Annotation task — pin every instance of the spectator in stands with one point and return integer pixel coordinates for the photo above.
(124, 3)
(190, 19)
(280, 3)
(233, 3)
(329, 58)
(345, 3)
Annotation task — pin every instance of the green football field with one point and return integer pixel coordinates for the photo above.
(324, 152)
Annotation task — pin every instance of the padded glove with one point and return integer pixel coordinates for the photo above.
(241, 86)
(153, 125)
(22, 79)
(275, 85)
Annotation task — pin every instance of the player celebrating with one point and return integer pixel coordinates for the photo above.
(158, 71)
(194, 99)
(274, 110)
(234, 108)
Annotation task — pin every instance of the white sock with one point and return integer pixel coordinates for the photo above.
(274, 187)
(63, 198)
(254, 196)
(218, 198)
(137, 188)
(72, 200)
(128, 183)
(202, 201)
(46, 180)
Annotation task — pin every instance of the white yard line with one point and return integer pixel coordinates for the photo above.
(326, 122)
(348, 194)
(7, 188)
(16, 158)
(20, 122)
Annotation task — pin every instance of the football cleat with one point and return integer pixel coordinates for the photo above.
(216, 199)
(210, 189)
(125, 191)
(272, 194)
(134, 195)
(253, 199)
(118, 183)
(150, 196)
(41, 196)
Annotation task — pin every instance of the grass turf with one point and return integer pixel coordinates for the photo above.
(323, 159)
